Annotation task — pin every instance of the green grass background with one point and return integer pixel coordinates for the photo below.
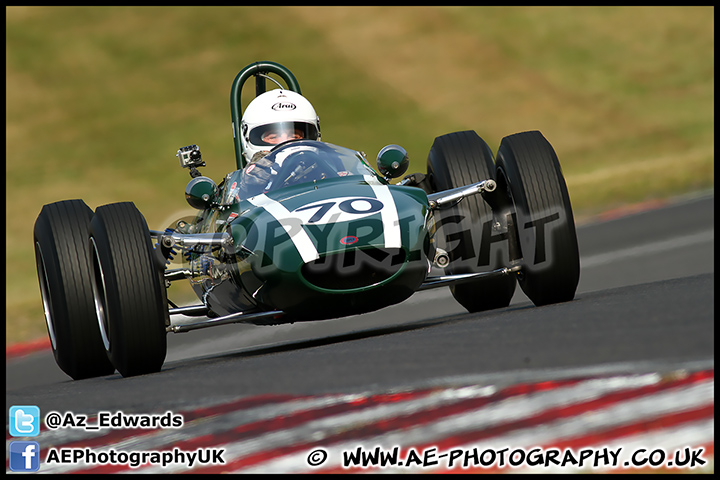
(99, 99)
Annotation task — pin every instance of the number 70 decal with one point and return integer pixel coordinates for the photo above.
(338, 210)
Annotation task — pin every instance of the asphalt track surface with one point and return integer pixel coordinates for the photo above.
(645, 302)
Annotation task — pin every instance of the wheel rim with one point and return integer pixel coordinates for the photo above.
(99, 295)
(45, 293)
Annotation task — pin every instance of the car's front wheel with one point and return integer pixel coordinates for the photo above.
(458, 159)
(64, 275)
(130, 298)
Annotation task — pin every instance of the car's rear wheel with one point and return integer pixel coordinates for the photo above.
(529, 171)
(458, 159)
(63, 268)
(130, 298)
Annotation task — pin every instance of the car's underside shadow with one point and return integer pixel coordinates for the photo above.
(316, 342)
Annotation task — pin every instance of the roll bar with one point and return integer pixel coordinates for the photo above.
(260, 70)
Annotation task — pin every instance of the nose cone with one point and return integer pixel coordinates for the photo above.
(324, 253)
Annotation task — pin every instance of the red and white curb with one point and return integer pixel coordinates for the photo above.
(26, 348)
(626, 413)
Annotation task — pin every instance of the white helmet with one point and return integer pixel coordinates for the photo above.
(274, 117)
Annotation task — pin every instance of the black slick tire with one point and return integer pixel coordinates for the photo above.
(529, 171)
(458, 159)
(64, 273)
(130, 298)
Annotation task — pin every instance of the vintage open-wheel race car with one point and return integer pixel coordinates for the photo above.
(323, 235)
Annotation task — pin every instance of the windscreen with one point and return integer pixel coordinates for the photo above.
(294, 163)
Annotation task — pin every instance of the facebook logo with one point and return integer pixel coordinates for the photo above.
(24, 456)
(24, 421)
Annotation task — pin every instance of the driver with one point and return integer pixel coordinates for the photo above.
(282, 132)
(270, 119)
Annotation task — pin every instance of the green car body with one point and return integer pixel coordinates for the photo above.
(309, 231)
(314, 248)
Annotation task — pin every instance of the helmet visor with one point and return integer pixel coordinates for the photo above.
(277, 133)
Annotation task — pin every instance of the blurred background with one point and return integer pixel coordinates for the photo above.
(99, 99)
